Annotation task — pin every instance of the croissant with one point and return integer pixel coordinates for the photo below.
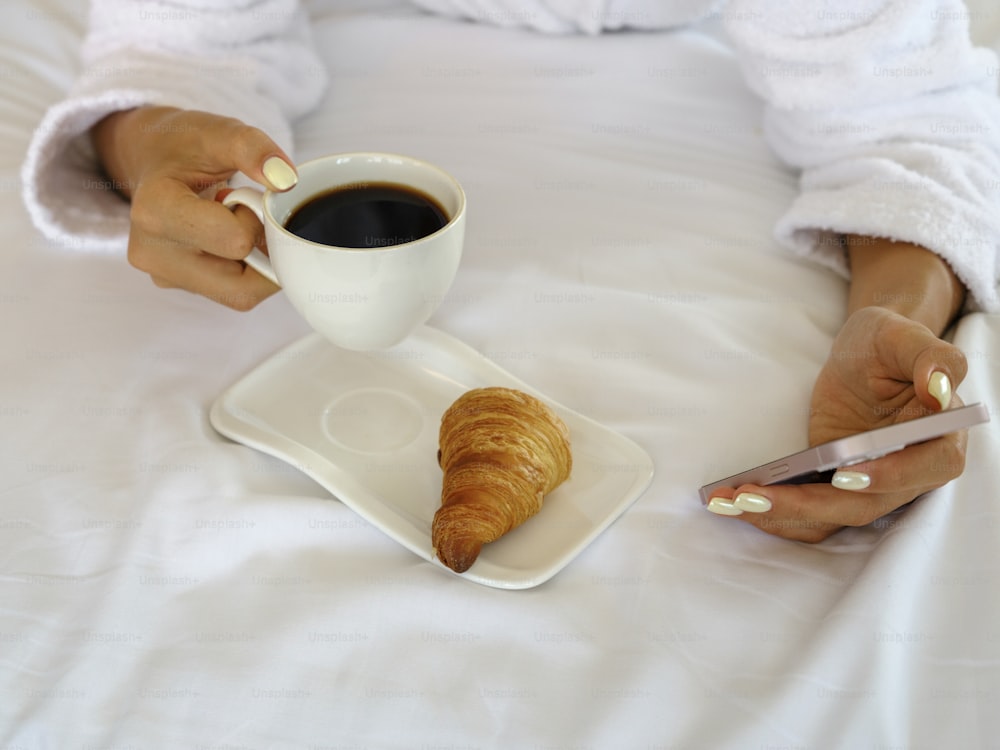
(501, 451)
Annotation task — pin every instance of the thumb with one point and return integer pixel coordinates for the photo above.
(935, 367)
(254, 154)
(279, 173)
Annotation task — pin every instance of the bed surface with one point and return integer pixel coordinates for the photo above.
(164, 587)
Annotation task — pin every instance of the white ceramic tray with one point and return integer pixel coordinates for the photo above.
(365, 426)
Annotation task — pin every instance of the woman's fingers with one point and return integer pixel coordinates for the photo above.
(859, 495)
(167, 211)
(197, 245)
(228, 282)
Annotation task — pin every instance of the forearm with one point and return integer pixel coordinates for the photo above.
(905, 278)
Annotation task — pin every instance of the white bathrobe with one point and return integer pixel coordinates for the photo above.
(885, 106)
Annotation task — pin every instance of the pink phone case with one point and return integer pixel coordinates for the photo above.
(817, 464)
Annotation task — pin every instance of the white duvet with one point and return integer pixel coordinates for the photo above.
(163, 587)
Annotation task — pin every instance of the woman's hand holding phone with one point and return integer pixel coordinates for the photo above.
(883, 369)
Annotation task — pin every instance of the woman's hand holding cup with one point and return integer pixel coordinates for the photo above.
(170, 163)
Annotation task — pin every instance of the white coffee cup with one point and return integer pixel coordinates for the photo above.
(359, 298)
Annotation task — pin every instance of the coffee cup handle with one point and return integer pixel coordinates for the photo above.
(254, 200)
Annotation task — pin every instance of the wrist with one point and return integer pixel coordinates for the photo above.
(905, 278)
(117, 142)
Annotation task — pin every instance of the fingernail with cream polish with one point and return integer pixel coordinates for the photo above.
(723, 507)
(277, 172)
(752, 503)
(851, 480)
(940, 388)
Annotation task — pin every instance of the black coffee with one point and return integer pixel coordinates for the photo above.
(369, 215)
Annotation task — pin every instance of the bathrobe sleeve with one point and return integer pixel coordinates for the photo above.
(249, 59)
(892, 118)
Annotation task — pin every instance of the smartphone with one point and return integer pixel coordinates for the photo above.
(817, 464)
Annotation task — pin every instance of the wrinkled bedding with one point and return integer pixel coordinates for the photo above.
(163, 586)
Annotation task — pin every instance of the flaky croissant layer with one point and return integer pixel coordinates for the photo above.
(501, 451)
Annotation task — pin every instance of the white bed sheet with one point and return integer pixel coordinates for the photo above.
(162, 587)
